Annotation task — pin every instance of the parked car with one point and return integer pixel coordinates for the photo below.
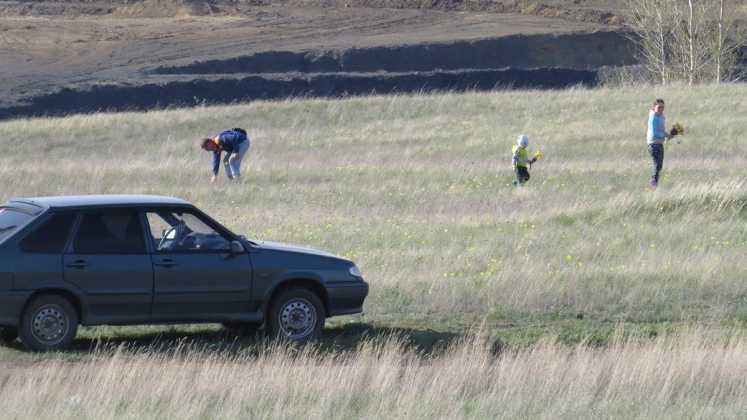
(131, 259)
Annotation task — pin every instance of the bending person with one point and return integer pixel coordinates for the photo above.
(235, 143)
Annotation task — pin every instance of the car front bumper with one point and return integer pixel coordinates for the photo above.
(346, 298)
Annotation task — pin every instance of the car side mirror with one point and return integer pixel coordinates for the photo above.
(237, 247)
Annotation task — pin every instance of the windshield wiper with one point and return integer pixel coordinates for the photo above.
(6, 228)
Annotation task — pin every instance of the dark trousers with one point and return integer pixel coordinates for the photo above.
(657, 156)
(522, 174)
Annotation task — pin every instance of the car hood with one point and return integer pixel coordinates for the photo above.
(277, 246)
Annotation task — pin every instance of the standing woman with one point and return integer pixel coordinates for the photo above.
(235, 143)
(655, 137)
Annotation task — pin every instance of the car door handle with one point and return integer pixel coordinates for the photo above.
(79, 264)
(165, 263)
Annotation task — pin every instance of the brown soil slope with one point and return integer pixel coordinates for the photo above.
(597, 11)
(48, 45)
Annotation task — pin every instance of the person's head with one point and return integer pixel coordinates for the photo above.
(208, 145)
(658, 106)
(522, 140)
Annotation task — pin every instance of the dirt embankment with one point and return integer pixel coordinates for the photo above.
(605, 12)
(88, 55)
(600, 11)
(118, 8)
(586, 51)
(543, 61)
(191, 92)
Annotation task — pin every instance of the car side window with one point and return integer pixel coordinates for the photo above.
(177, 231)
(110, 232)
(50, 237)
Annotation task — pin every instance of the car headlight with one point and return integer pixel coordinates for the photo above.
(355, 272)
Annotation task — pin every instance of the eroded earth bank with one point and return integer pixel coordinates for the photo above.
(67, 57)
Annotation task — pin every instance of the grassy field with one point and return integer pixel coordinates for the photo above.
(687, 376)
(568, 278)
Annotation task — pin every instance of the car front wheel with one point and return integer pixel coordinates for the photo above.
(297, 314)
(49, 323)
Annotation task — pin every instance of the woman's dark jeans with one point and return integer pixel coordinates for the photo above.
(656, 150)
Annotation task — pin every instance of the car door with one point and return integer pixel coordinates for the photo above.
(109, 262)
(197, 277)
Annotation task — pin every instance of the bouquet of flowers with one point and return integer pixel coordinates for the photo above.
(676, 130)
(535, 158)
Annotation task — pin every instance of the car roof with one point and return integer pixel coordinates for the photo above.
(83, 201)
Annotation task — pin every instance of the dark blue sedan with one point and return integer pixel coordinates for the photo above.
(127, 260)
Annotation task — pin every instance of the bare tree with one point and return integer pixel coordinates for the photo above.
(651, 26)
(720, 40)
(730, 38)
(692, 34)
(690, 40)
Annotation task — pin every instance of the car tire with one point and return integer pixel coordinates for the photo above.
(8, 334)
(297, 315)
(242, 328)
(49, 323)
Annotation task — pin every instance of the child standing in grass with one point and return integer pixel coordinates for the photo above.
(235, 143)
(520, 160)
(655, 138)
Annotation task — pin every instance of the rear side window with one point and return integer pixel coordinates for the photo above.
(114, 232)
(11, 220)
(51, 237)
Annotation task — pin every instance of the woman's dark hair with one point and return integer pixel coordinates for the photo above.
(204, 142)
(659, 102)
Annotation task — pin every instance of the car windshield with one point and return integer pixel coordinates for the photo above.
(11, 220)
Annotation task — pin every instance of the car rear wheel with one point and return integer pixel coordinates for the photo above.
(8, 334)
(296, 314)
(49, 323)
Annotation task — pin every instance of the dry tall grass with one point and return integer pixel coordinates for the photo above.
(686, 376)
